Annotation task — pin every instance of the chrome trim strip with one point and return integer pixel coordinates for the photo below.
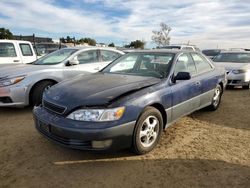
(189, 100)
(169, 110)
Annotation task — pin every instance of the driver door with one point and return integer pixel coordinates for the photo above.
(88, 63)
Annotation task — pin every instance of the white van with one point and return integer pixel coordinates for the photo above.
(16, 52)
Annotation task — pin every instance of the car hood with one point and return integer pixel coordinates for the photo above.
(96, 89)
(22, 69)
(231, 66)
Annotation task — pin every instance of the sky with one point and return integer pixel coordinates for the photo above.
(205, 23)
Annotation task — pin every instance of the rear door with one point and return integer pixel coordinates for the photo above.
(185, 93)
(27, 53)
(207, 78)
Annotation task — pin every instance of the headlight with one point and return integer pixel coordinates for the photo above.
(97, 114)
(239, 71)
(11, 81)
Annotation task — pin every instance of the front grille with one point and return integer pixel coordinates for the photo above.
(54, 107)
(234, 81)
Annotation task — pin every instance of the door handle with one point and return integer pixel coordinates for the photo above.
(15, 61)
(198, 83)
(97, 68)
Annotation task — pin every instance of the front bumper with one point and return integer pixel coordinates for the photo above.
(13, 96)
(74, 134)
(238, 79)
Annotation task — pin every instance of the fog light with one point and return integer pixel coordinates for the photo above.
(101, 144)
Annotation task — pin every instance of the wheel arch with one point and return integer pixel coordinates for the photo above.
(222, 86)
(162, 110)
(36, 84)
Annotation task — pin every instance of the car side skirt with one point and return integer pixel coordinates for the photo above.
(205, 99)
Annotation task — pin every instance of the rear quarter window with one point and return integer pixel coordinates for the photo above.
(26, 50)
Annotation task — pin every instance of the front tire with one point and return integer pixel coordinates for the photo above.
(245, 87)
(37, 92)
(216, 98)
(147, 131)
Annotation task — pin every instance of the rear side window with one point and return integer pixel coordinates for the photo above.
(26, 49)
(7, 50)
(202, 63)
(108, 55)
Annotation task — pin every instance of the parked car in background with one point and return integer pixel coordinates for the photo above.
(129, 106)
(237, 66)
(182, 47)
(46, 48)
(24, 84)
(16, 52)
(211, 53)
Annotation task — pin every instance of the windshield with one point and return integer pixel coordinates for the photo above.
(55, 57)
(142, 64)
(211, 52)
(233, 57)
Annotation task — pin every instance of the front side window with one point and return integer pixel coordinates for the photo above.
(87, 57)
(185, 64)
(55, 57)
(108, 55)
(7, 50)
(201, 63)
(142, 64)
(26, 49)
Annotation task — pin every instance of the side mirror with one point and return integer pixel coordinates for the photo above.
(73, 62)
(182, 76)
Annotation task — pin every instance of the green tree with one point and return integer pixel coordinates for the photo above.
(68, 39)
(5, 34)
(111, 45)
(136, 44)
(89, 41)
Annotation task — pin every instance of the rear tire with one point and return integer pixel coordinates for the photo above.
(216, 98)
(37, 92)
(147, 131)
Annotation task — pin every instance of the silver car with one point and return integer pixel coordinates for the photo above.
(237, 66)
(21, 85)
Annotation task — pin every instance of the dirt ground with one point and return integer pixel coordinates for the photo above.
(205, 149)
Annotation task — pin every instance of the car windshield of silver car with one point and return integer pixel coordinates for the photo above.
(55, 57)
(233, 57)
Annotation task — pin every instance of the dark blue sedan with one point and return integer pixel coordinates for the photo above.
(130, 102)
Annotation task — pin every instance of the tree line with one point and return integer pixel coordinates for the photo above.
(160, 38)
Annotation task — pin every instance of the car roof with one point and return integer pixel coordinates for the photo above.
(236, 51)
(94, 47)
(164, 51)
(18, 41)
